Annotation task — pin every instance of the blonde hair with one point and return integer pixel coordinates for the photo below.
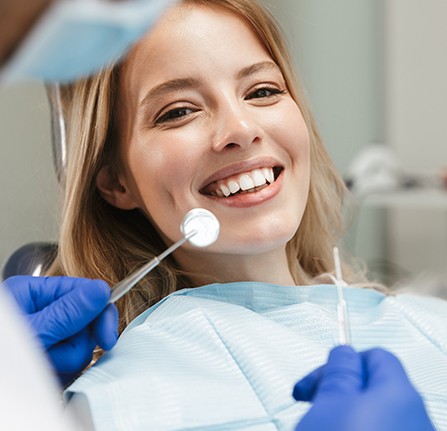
(98, 240)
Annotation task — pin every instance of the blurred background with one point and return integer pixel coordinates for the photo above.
(374, 73)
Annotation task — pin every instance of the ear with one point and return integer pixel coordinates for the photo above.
(113, 189)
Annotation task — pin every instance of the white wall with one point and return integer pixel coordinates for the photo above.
(416, 125)
(29, 192)
(338, 54)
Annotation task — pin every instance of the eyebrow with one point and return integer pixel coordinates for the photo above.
(257, 67)
(191, 83)
(168, 87)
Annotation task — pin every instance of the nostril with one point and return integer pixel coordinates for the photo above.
(231, 145)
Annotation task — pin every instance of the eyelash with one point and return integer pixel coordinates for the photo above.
(173, 114)
(273, 90)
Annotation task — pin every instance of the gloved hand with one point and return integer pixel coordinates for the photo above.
(366, 391)
(69, 316)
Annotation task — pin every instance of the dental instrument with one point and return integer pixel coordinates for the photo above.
(199, 226)
(344, 329)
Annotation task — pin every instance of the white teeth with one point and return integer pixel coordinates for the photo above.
(233, 186)
(268, 172)
(246, 182)
(258, 177)
(225, 190)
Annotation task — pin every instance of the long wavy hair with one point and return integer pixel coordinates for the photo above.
(98, 240)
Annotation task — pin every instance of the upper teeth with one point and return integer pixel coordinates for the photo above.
(246, 181)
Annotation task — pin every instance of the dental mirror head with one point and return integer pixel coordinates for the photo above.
(204, 223)
(199, 226)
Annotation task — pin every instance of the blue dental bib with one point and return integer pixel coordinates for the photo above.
(226, 356)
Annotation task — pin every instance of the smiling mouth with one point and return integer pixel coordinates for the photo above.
(247, 182)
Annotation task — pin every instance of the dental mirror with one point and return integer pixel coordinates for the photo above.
(204, 223)
(199, 226)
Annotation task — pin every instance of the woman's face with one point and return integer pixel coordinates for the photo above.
(206, 121)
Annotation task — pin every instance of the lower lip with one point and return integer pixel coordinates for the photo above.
(246, 200)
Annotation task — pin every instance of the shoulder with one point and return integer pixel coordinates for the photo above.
(427, 314)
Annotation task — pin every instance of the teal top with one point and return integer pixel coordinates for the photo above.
(226, 356)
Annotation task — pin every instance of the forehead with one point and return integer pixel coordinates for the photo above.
(189, 39)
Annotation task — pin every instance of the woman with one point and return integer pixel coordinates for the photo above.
(205, 112)
(117, 237)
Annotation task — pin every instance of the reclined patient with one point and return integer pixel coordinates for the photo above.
(205, 111)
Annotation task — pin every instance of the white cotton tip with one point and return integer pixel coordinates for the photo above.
(205, 225)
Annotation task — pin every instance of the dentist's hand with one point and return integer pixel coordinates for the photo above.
(366, 391)
(70, 317)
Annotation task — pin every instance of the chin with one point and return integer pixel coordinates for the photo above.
(255, 242)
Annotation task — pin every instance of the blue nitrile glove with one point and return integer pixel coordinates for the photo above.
(70, 317)
(366, 391)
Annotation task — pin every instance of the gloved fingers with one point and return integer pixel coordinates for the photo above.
(105, 328)
(25, 290)
(304, 390)
(34, 293)
(342, 374)
(71, 312)
(389, 383)
(343, 371)
(382, 367)
(385, 370)
(71, 356)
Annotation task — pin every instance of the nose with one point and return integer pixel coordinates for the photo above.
(235, 127)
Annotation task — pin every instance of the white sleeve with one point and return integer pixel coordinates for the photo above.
(29, 394)
(79, 408)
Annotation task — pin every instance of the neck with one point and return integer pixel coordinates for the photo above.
(270, 267)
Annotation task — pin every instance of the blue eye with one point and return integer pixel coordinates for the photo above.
(263, 92)
(173, 115)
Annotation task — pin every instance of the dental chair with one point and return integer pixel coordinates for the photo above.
(36, 257)
(30, 259)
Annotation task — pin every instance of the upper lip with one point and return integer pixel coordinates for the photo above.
(240, 168)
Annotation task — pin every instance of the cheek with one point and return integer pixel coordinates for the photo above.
(291, 132)
(300, 134)
(159, 167)
(161, 163)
